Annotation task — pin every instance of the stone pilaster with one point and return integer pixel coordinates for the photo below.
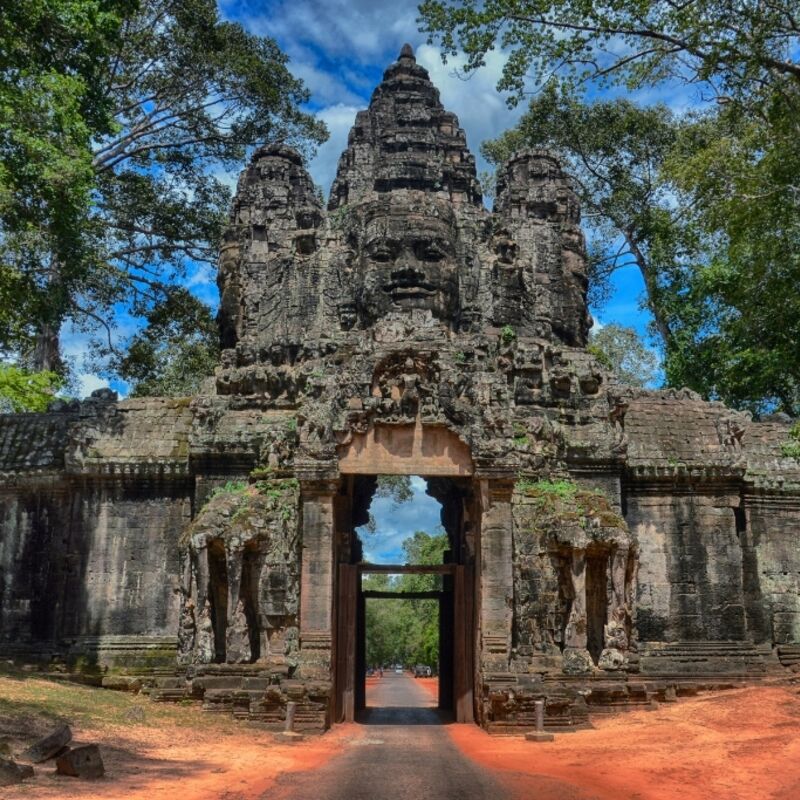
(496, 584)
(576, 657)
(317, 579)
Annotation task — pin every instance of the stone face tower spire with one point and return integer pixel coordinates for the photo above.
(405, 140)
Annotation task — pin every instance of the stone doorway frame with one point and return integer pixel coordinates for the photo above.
(485, 584)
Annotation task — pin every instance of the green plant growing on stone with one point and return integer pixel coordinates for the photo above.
(231, 487)
(520, 435)
(507, 334)
(559, 488)
(791, 447)
(339, 217)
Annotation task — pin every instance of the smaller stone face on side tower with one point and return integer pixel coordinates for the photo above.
(539, 251)
(266, 280)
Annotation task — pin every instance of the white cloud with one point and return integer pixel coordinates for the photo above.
(397, 521)
(325, 87)
(481, 110)
(339, 119)
(358, 30)
(87, 383)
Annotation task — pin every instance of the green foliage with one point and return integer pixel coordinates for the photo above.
(791, 448)
(174, 352)
(560, 488)
(406, 631)
(125, 114)
(621, 349)
(230, 487)
(21, 390)
(51, 109)
(737, 47)
(269, 494)
(737, 323)
(397, 487)
(507, 334)
(567, 502)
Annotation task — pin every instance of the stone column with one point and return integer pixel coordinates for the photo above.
(496, 576)
(203, 579)
(575, 633)
(237, 632)
(576, 657)
(316, 583)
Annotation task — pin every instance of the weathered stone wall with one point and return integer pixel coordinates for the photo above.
(690, 583)
(89, 527)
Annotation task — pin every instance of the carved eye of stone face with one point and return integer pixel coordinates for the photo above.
(382, 253)
(426, 251)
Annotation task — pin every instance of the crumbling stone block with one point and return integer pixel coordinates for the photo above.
(81, 762)
(48, 746)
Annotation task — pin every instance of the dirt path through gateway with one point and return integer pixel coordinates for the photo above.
(736, 745)
(406, 754)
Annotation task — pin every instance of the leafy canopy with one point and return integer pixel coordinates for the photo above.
(736, 46)
(21, 390)
(128, 196)
(622, 350)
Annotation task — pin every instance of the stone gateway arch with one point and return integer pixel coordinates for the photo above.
(608, 546)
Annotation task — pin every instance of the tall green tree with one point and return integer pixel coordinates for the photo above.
(21, 390)
(186, 94)
(406, 631)
(52, 107)
(737, 323)
(723, 280)
(735, 47)
(622, 350)
(176, 349)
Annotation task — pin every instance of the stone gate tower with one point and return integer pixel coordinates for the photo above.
(607, 545)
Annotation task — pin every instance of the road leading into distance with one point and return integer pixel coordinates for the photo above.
(406, 754)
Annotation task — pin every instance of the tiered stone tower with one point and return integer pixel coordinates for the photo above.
(607, 545)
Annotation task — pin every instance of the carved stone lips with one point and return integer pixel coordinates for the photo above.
(401, 290)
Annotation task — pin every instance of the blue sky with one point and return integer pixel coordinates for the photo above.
(395, 522)
(340, 49)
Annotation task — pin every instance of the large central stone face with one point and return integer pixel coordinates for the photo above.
(408, 258)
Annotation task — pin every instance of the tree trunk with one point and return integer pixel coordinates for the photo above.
(46, 354)
(651, 286)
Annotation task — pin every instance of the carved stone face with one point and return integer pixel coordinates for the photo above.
(407, 259)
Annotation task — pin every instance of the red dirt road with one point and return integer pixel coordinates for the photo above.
(736, 745)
